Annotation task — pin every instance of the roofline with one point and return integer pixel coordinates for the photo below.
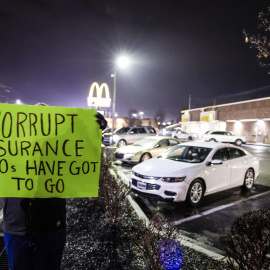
(226, 104)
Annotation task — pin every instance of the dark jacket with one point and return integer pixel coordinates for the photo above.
(22, 216)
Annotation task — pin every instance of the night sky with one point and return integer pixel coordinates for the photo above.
(52, 51)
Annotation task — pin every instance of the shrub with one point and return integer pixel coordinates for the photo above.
(249, 241)
(153, 238)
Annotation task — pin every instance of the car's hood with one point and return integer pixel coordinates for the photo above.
(164, 167)
(129, 149)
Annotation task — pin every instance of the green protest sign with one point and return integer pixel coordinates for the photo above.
(48, 152)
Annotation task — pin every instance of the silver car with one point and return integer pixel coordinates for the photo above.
(182, 135)
(128, 135)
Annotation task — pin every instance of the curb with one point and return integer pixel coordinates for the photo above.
(258, 144)
(210, 251)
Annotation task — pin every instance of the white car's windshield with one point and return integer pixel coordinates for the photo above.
(187, 153)
(146, 142)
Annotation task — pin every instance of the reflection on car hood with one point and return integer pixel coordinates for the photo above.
(129, 149)
(163, 167)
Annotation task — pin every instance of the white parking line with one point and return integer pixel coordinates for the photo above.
(208, 212)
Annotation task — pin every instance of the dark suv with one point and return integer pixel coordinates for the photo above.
(127, 135)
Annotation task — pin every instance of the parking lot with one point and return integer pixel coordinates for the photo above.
(210, 222)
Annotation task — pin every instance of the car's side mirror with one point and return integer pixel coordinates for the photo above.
(158, 145)
(216, 162)
(131, 132)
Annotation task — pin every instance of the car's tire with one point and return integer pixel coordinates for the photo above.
(195, 193)
(212, 140)
(175, 137)
(238, 142)
(145, 157)
(190, 138)
(249, 179)
(121, 143)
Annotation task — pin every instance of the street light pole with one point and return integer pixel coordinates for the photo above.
(114, 94)
(121, 62)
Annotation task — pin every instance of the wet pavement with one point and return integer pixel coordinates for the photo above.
(214, 217)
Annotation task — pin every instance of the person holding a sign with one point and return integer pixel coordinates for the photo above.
(34, 224)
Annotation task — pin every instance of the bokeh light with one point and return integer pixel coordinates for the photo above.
(170, 254)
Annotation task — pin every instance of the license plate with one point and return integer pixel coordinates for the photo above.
(141, 185)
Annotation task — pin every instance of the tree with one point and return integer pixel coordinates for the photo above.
(261, 40)
(132, 117)
(160, 116)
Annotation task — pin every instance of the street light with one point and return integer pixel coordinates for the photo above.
(121, 62)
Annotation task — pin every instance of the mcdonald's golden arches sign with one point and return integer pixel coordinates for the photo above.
(100, 100)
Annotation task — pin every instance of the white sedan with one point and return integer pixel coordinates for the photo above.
(224, 136)
(189, 171)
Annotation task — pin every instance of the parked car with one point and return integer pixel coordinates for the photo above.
(127, 135)
(106, 131)
(144, 149)
(182, 135)
(192, 170)
(224, 136)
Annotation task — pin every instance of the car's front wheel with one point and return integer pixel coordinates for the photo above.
(195, 193)
(190, 138)
(121, 143)
(238, 142)
(249, 179)
(145, 157)
(212, 140)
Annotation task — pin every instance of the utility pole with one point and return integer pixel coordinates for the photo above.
(7, 92)
(189, 101)
(4, 91)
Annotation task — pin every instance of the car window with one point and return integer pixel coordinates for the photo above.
(216, 133)
(141, 130)
(151, 130)
(221, 154)
(173, 142)
(164, 143)
(134, 131)
(235, 153)
(186, 153)
(123, 130)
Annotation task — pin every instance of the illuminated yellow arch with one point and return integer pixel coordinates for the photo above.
(99, 101)
(99, 90)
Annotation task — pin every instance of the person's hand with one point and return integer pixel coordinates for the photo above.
(101, 121)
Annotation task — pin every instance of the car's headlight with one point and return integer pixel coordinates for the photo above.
(173, 179)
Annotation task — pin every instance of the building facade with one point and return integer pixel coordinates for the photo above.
(124, 122)
(248, 118)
